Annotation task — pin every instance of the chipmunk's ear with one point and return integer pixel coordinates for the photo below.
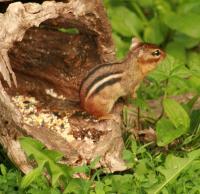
(136, 42)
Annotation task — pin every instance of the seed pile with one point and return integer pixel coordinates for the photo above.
(43, 118)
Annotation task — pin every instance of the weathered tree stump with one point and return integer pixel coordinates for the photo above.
(39, 61)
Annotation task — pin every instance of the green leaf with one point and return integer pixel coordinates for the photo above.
(195, 120)
(172, 169)
(57, 171)
(34, 143)
(189, 105)
(177, 85)
(3, 169)
(194, 138)
(125, 22)
(153, 32)
(122, 184)
(189, 6)
(54, 155)
(78, 186)
(94, 162)
(42, 156)
(166, 132)
(181, 71)
(194, 83)
(145, 3)
(31, 176)
(164, 69)
(177, 115)
(177, 51)
(128, 155)
(129, 158)
(141, 169)
(99, 188)
(122, 46)
(141, 103)
(71, 31)
(179, 123)
(184, 23)
(81, 169)
(186, 41)
(194, 63)
(163, 7)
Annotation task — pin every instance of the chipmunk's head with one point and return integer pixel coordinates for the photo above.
(148, 55)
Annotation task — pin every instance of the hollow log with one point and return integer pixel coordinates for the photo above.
(45, 51)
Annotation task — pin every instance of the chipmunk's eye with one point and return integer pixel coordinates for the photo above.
(156, 53)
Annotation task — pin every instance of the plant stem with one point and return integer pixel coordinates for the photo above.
(163, 97)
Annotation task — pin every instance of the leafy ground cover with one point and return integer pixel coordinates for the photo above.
(173, 164)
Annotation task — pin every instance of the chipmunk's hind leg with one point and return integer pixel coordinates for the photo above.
(99, 107)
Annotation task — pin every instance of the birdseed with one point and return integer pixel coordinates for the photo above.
(27, 106)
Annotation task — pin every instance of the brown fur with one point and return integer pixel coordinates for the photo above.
(131, 72)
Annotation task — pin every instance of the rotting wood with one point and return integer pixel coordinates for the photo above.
(38, 58)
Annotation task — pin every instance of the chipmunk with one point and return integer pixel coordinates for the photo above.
(105, 83)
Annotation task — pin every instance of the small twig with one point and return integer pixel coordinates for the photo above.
(138, 119)
(162, 99)
(162, 111)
